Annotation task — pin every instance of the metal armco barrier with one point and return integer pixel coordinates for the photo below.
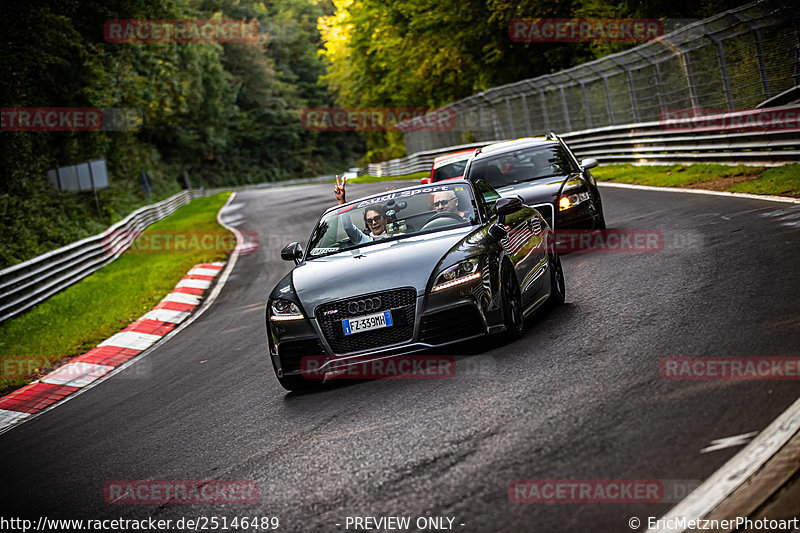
(418, 162)
(26, 284)
(763, 137)
(732, 61)
(721, 139)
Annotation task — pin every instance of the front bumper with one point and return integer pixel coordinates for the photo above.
(312, 345)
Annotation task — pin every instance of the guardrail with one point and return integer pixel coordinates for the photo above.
(26, 284)
(763, 137)
(733, 61)
(418, 162)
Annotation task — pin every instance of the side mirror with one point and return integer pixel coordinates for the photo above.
(586, 164)
(497, 232)
(507, 206)
(292, 252)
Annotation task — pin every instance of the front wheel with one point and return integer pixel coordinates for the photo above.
(557, 289)
(513, 318)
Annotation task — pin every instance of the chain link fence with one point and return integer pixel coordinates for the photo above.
(732, 61)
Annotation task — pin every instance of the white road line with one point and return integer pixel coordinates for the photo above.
(232, 207)
(700, 191)
(729, 442)
(739, 469)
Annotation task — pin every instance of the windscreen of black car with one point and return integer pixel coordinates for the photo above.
(525, 164)
(394, 215)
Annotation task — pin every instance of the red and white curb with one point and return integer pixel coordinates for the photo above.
(67, 379)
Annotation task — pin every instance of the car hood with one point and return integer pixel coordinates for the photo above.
(543, 190)
(377, 267)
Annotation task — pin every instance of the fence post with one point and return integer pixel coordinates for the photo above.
(762, 68)
(528, 126)
(564, 108)
(631, 89)
(686, 65)
(723, 67)
(510, 118)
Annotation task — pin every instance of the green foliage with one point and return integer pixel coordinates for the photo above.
(782, 180)
(71, 322)
(226, 114)
(427, 53)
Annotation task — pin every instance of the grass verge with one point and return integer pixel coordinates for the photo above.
(77, 319)
(780, 181)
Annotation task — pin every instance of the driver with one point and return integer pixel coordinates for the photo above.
(375, 219)
(447, 202)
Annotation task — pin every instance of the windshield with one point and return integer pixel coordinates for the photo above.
(522, 165)
(450, 169)
(393, 215)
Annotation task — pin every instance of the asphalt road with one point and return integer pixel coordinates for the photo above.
(578, 397)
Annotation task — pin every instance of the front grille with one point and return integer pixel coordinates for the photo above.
(450, 325)
(402, 303)
(291, 353)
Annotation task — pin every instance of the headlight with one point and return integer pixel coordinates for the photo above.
(457, 274)
(571, 200)
(281, 310)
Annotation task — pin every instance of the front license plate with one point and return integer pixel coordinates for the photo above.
(367, 323)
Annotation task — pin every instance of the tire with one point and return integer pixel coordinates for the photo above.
(513, 319)
(557, 288)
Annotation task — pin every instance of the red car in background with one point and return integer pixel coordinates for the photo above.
(449, 166)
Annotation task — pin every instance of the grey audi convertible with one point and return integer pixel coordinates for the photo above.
(439, 264)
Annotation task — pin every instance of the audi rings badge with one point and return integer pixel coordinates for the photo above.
(363, 306)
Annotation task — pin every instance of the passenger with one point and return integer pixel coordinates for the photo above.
(375, 219)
